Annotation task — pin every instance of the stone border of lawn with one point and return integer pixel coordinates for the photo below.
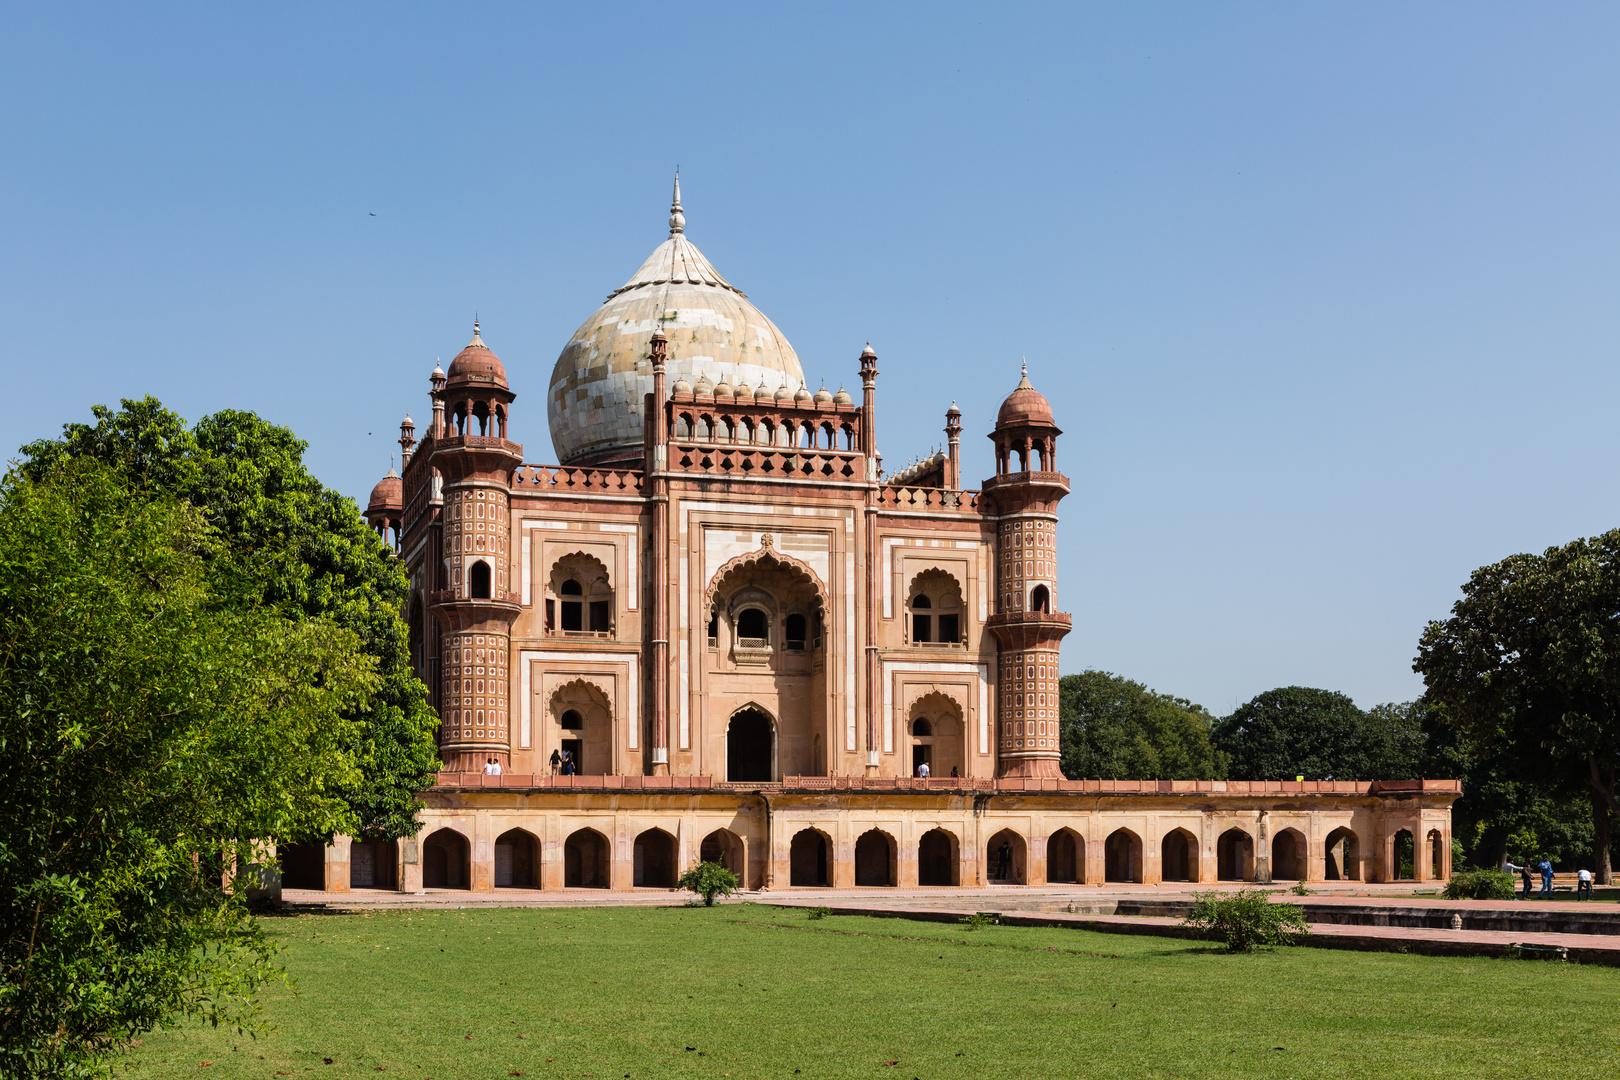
(1415, 940)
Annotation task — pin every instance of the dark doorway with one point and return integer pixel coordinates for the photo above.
(1343, 856)
(516, 865)
(655, 860)
(722, 846)
(936, 858)
(1065, 857)
(1007, 859)
(1288, 856)
(372, 864)
(444, 861)
(1178, 857)
(807, 859)
(478, 578)
(874, 859)
(303, 866)
(585, 860)
(748, 748)
(1122, 856)
(1234, 856)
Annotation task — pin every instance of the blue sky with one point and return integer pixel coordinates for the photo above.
(1325, 298)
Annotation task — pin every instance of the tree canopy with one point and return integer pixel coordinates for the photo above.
(1527, 670)
(148, 720)
(1113, 728)
(1297, 730)
(287, 543)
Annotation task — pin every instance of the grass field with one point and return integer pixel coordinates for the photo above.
(751, 991)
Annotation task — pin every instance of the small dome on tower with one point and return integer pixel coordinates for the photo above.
(723, 389)
(682, 386)
(842, 397)
(783, 394)
(388, 495)
(1025, 405)
(823, 397)
(476, 365)
(801, 395)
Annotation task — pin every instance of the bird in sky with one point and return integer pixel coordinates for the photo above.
(374, 214)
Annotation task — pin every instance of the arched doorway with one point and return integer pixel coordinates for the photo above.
(1066, 857)
(654, 856)
(478, 578)
(1122, 856)
(303, 866)
(807, 859)
(1007, 859)
(750, 748)
(445, 861)
(517, 863)
(373, 864)
(1436, 856)
(585, 860)
(1178, 856)
(1342, 860)
(1404, 868)
(724, 847)
(1234, 856)
(874, 858)
(936, 858)
(1288, 856)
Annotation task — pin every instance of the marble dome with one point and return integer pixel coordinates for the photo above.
(715, 335)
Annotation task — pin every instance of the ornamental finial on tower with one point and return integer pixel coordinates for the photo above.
(1023, 375)
(677, 219)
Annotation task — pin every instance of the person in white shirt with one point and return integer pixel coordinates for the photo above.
(1583, 885)
(492, 768)
(922, 770)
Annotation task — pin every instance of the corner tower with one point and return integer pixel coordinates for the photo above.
(1027, 628)
(477, 606)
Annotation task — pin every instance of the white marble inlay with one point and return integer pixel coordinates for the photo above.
(525, 656)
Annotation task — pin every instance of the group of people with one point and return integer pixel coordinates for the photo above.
(1542, 866)
(923, 771)
(562, 763)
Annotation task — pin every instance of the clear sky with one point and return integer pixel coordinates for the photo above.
(1324, 297)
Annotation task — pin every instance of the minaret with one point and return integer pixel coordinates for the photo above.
(1026, 626)
(476, 604)
(953, 460)
(874, 662)
(407, 440)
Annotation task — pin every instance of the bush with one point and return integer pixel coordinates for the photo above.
(708, 880)
(1246, 920)
(978, 919)
(1480, 885)
(820, 912)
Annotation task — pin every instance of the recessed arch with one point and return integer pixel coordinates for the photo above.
(586, 860)
(1122, 856)
(1040, 599)
(934, 604)
(938, 858)
(1066, 857)
(809, 858)
(579, 595)
(1342, 855)
(654, 855)
(1288, 855)
(766, 557)
(478, 578)
(1178, 856)
(875, 858)
(750, 746)
(446, 861)
(517, 860)
(373, 864)
(1234, 856)
(726, 848)
(1007, 859)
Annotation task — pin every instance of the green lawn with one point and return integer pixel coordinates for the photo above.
(751, 991)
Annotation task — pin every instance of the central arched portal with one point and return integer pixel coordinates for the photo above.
(750, 748)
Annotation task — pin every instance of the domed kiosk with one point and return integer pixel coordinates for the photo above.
(604, 372)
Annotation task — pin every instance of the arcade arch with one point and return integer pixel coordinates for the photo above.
(517, 860)
(938, 861)
(809, 861)
(585, 860)
(1066, 857)
(726, 848)
(654, 855)
(1007, 859)
(1122, 856)
(1234, 856)
(750, 746)
(875, 858)
(1288, 855)
(1342, 856)
(1178, 856)
(446, 861)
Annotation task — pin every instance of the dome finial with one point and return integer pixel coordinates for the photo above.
(1023, 376)
(476, 339)
(677, 219)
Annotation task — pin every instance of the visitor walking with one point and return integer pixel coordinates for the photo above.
(556, 762)
(1524, 874)
(492, 767)
(922, 770)
(954, 772)
(567, 763)
(1583, 885)
(1546, 878)
(1513, 868)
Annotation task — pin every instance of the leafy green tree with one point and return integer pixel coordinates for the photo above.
(1113, 728)
(151, 728)
(1528, 669)
(708, 880)
(294, 546)
(1297, 730)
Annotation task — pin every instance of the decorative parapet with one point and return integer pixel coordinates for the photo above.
(927, 500)
(741, 459)
(449, 781)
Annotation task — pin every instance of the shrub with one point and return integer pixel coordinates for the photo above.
(1480, 885)
(978, 919)
(708, 880)
(1299, 889)
(1246, 920)
(819, 912)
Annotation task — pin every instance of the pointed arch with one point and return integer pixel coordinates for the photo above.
(768, 556)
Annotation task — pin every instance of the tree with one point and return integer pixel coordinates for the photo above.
(1115, 728)
(1297, 730)
(1528, 667)
(150, 727)
(294, 546)
(708, 880)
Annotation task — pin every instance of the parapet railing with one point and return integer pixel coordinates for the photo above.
(720, 458)
(455, 781)
(552, 479)
(928, 499)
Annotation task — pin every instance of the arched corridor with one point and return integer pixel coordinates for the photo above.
(1342, 861)
(724, 847)
(1234, 856)
(808, 859)
(1178, 856)
(446, 861)
(750, 748)
(1288, 856)
(875, 858)
(585, 860)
